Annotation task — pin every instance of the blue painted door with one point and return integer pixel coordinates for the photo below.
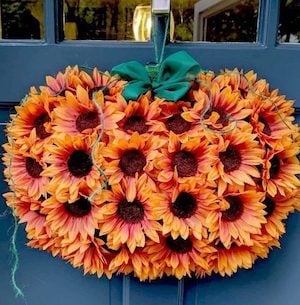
(46, 280)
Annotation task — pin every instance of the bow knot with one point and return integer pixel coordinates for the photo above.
(169, 80)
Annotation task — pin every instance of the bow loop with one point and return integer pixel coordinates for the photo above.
(172, 81)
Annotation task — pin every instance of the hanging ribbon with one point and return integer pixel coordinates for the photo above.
(172, 82)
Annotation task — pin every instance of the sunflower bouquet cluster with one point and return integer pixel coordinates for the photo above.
(150, 186)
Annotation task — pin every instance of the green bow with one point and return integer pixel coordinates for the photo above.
(172, 81)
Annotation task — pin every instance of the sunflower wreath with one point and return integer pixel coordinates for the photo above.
(169, 171)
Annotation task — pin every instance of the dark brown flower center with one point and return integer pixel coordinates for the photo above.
(79, 163)
(275, 167)
(87, 120)
(79, 208)
(179, 245)
(235, 210)
(177, 124)
(104, 89)
(223, 119)
(131, 212)
(244, 92)
(33, 167)
(184, 206)
(136, 123)
(267, 129)
(132, 161)
(270, 206)
(231, 159)
(39, 126)
(186, 163)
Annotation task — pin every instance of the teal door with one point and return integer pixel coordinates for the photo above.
(46, 280)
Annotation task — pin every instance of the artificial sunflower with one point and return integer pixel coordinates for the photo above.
(33, 120)
(178, 257)
(80, 114)
(239, 215)
(126, 214)
(98, 81)
(58, 85)
(29, 211)
(218, 110)
(172, 119)
(69, 219)
(24, 173)
(280, 170)
(228, 261)
(237, 80)
(130, 158)
(87, 253)
(137, 263)
(269, 122)
(277, 210)
(183, 211)
(236, 156)
(184, 162)
(71, 166)
(140, 116)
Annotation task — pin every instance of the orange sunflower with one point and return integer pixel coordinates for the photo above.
(277, 209)
(24, 173)
(29, 212)
(237, 80)
(44, 242)
(33, 119)
(270, 122)
(71, 166)
(140, 116)
(239, 216)
(236, 156)
(218, 109)
(137, 263)
(79, 115)
(126, 214)
(184, 162)
(68, 80)
(132, 157)
(280, 170)
(71, 219)
(202, 81)
(228, 261)
(98, 81)
(184, 210)
(178, 257)
(87, 253)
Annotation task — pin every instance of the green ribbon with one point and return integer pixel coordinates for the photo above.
(171, 81)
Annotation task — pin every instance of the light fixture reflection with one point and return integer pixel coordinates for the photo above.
(142, 22)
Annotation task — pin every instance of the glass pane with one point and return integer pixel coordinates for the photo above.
(21, 19)
(107, 19)
(220, 20)
(289, 22)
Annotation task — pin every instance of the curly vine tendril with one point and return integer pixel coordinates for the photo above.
(13, 244)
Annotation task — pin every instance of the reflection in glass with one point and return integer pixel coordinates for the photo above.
(142, 23)
(226, 20)
(289, 22)
(101, 19)
(21, 19)
(204, 20)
